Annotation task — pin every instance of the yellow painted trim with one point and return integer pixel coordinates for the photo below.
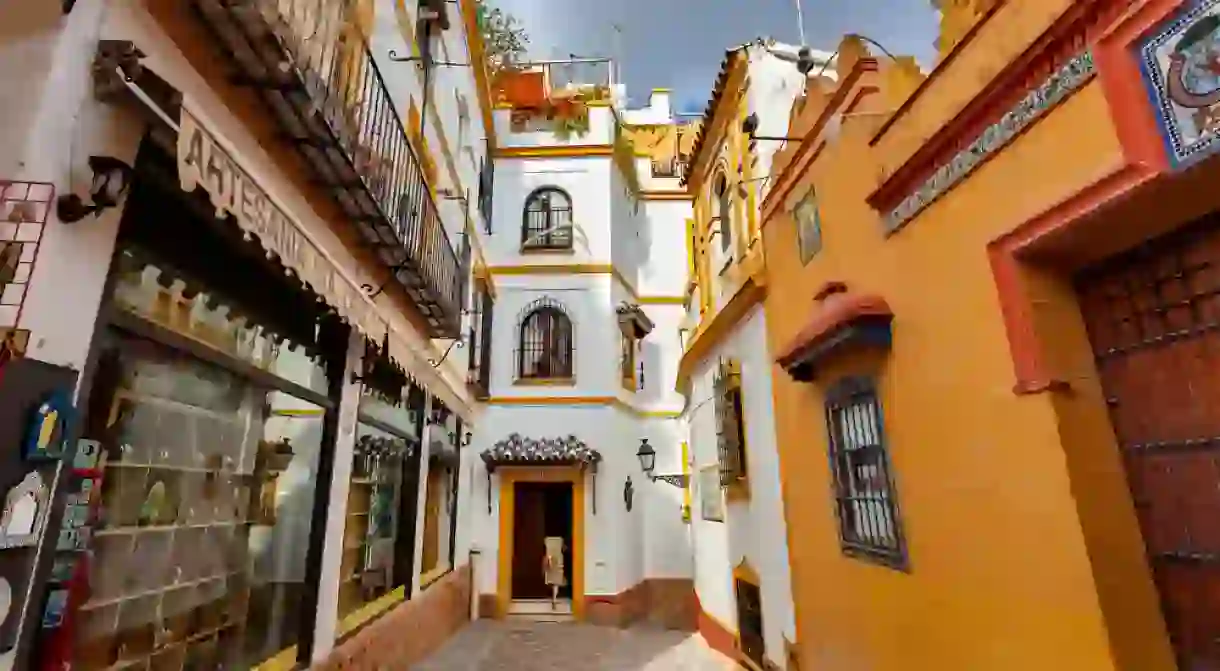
(435, 574)
(666, 195)
(509, 477)
(371, 611)
(686, 491)
(562, 151)
(533, 251)
(553, 269)
(551, 400)
(284, 660)
(662, 90)
(714, 133)
(478, 59)
(661, 300)
(584, 400)
(301, 412)
(544, 382)
(712, 333)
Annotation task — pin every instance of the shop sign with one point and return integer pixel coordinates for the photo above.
(1181, 66)
(202, 161)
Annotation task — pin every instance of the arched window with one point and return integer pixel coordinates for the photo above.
(547, 220)
(545, 342)
(724, 210)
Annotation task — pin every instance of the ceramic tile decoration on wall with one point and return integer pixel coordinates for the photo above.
(1181, 66)
(24, 207)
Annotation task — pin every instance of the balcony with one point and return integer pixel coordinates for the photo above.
(311, 64)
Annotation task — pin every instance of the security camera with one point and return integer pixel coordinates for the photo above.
(804, 61)
(749, 126)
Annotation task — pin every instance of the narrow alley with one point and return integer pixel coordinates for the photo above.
(518, 645)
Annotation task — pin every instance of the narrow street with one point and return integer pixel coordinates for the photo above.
(544, 646)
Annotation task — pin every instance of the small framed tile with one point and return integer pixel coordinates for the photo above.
(29, 232)
(8, 315)
(13, 294)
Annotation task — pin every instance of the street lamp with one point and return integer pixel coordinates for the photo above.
(648, 463)
(111, 180)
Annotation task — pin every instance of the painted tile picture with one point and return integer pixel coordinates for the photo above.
(1181, 62)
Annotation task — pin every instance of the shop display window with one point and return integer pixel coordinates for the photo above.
(385, 440)
(206, 501)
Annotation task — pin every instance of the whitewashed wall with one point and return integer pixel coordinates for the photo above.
(754, 528)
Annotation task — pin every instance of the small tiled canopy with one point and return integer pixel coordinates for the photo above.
(840, 322)
(632, 320)
(516, 450)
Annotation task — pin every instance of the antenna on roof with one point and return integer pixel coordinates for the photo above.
(800, 21)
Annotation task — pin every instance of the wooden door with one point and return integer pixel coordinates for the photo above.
(432, 518)
(529, 529)
(1153, 317)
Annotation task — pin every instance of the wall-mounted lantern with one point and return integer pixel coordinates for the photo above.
(111, 180)
(648, 463)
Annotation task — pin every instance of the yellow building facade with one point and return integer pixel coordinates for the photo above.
(988, 302)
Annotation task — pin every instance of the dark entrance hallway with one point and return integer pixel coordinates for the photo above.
(541, 509)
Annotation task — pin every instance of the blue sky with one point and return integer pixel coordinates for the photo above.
(678, 44)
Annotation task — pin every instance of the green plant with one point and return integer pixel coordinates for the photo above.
(504, 38)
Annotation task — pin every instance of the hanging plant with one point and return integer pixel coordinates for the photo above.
(569, 117)
(504, 39)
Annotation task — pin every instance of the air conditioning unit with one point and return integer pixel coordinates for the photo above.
(435, 12)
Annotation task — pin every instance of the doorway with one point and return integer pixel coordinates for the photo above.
(540, 510)
(1150, 315)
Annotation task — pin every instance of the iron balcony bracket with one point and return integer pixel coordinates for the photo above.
(680, 480)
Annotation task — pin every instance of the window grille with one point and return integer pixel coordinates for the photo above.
(548, 220)
(546, 342)
(865, 497)
(730, 422)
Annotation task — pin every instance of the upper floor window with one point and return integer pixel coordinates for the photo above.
(547, 221)
(486, 187)
(730, 423)
(865, 497)
(546, 343)
(724, 212)
(808, 226)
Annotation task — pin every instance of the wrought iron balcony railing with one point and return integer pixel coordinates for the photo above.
(310, 62)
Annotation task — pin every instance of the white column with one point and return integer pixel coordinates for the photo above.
(327, 612)
(421, 500)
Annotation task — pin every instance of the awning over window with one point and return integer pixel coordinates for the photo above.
(840, 322)
(516, 450)
(632, 320)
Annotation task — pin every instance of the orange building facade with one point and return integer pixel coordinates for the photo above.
(992, 305)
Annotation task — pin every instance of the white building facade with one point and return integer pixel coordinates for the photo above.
(240, 244)
(585, 255)
(741, 570)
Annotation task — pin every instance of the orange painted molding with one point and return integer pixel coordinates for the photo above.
(1074, 31)
(1145, 160)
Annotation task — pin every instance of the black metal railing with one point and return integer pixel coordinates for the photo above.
(311, 63)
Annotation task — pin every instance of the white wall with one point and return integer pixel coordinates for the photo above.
(754, 528)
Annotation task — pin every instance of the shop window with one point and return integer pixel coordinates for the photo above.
(546, 343)
(375, 523)
(547, 221)
(439, 495)
(808, 226)
(207, 497)
(730, 425)
(866, 501)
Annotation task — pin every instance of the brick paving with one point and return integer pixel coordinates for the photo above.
(517, 645)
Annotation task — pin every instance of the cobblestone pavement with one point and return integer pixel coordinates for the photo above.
(544, 646)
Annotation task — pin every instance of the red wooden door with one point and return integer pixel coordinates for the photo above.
(1153, 316)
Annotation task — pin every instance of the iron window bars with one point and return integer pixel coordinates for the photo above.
(547, 221)
(313, 68)
(546, 345)
(730, 422)
(865, 497)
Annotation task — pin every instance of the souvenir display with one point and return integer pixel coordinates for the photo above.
(47, 432)
(25, 513)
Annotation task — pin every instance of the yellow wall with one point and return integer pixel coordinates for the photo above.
(1023, 555)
